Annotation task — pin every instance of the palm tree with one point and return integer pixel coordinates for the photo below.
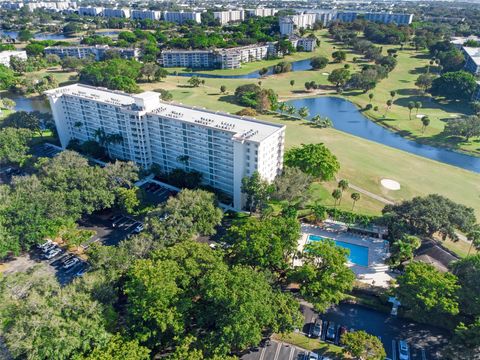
(355, 197)
(342, 185)
(411, 105)
(282, 107)
(292, 82)
(370, 96)
(291, 110)
(418, 105)
(303, 112)
(337, 195)
(425, 123)
(393, 93)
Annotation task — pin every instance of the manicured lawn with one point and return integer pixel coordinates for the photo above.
(307, 343)
(363, 163)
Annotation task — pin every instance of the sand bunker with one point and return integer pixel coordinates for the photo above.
(390, 184)
(325, 74)
(419, 116)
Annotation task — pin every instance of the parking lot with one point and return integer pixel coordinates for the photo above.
(424, 342)
(276, 351)
(156, 193)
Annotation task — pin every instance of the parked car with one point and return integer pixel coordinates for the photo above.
(45, 244)
(82, 271)
(403, 350)
(316, 329)
(49, 247)
(71, 262)
(67, 257)
(138, 229)
(331, 332)
(52, 253)
(313, 356)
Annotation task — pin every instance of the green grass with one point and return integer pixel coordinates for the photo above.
(364, 163)
(310, 344)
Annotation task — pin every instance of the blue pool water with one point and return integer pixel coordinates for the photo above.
(358, 254)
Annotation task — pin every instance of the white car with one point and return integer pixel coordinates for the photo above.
(52, 253)
(45, 244)
(313, 356)
(71, 262)
(138, 229)
(403, 350)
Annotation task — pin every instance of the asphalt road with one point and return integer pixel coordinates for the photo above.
(275, 351)
(425, 341)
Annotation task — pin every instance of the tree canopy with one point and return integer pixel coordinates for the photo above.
(324, 277)
(427, 292)
(313, 159)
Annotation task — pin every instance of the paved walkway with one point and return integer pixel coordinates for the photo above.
(371, 195)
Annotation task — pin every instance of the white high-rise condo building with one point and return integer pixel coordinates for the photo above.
(262, 12)
(146, 15)
(116, 13)
(300, 21)
(472, 59)
(228, 16)
(90, 11)
(180, 17)
(5, 56)
(224, 148)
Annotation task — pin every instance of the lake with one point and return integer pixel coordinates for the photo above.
(347, 118)
(300, 65)
(28, 104)
(38, 36)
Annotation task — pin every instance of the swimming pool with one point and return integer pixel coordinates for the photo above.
(358, 254)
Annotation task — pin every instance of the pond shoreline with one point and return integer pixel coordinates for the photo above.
(378, 121)
(348, 118)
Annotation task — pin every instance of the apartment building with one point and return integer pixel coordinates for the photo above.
(223, 147)
(287, 25)
(389, 18)
(229, 16)
(180, 17)
(98, 52)
(5, 56)
(116, 13)
(231, 58)
(382, 17)
(304, 43)
(300, 21)
(146, 15)
(90, 11)
(51, 5)
(261, 12)
(459, 41)
(325, 17)
(472, 59)
(194, 59)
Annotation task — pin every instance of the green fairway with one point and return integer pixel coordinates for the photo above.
(364, 163)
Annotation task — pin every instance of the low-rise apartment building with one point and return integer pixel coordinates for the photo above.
(224, 148)
(98, 52)
(5, 56)
(472, 59)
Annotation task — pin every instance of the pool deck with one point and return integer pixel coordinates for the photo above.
(375, 274)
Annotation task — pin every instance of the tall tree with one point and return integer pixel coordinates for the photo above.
(257, 190)
(426, 292)
(14, 146)
(324, 277)
(363, 346)
(468, 272)
(313, 159)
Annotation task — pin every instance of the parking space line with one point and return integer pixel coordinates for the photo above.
(277, 352)
(262, 354)
(292, 351)
(394, 352)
